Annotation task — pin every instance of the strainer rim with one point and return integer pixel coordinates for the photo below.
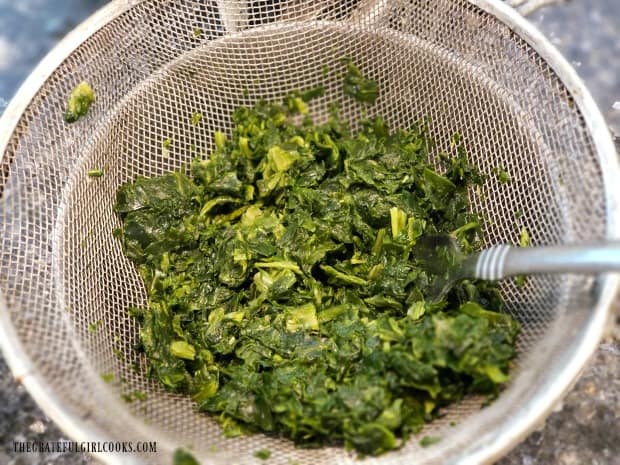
(17, 359)
(495, 444)
(487, 448)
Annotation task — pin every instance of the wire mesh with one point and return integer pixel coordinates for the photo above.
(62, 271)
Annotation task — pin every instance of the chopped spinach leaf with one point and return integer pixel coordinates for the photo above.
(524, 238)
(196, 118)
(502, 175)
(95, 173)
(263, 454)
(356, 85)
(524, 241)
(134, 395)
(80, 100)
(427, 441)
(182, 457)
(107, 377)
(94, 326)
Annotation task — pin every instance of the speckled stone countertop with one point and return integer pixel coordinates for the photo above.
(584, 430)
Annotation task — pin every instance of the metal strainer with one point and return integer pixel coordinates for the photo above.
(470, 65)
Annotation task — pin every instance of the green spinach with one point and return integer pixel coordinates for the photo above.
(80, 101)
(284, 293)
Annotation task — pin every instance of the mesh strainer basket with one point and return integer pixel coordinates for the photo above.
(472, 66)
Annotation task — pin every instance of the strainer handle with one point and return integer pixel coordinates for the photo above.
(502, 261)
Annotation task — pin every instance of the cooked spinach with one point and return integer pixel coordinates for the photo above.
(427, 441)
(183, 457)
(107, 377)
(524, 241)
(357, 85)
(263, 454)
(95, 173)
(284, 293)
(80, 100)
(501, 174)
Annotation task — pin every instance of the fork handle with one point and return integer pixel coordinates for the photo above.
(502, 261)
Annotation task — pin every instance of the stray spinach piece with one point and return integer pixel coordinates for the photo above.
(94, 326)
(524, 241)
(107, 377)
(139, 395)
(80, 100)
(427, 441)
(283, 287)
(263, 454)
(524, 238)
(95, 173)
(134, 395)
(165, 147)
(196, 118)
(356, 85)
(501, 174)
(182, 457)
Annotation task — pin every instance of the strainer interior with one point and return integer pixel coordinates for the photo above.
(153, 63)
